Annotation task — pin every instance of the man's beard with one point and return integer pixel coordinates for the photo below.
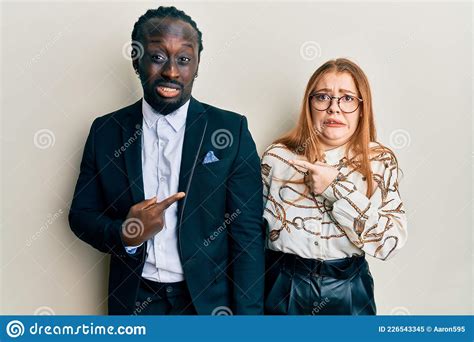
(159, 104)
(163, 107)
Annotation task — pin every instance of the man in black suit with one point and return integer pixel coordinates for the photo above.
(195, 245)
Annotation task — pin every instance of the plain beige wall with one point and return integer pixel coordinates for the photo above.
(63, 65)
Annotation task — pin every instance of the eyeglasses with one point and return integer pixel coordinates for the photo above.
(347, 103)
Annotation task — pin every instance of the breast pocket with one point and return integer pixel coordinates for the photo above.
(212, 168)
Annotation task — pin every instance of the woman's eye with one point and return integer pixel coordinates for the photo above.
(347, 98)
(322, 97)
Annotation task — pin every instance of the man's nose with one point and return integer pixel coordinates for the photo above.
(170, 69)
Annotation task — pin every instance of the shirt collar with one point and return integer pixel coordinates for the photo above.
(176, 119)
(334, 155)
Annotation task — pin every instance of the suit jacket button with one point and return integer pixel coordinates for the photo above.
(169, 289)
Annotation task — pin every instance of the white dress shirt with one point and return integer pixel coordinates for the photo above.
(162, 144)
(340, 222)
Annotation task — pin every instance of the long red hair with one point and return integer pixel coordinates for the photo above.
(303, 138)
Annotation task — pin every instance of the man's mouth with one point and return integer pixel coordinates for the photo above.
(333, 123)
(168, 90)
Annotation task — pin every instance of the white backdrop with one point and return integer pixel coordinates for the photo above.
(63, 64)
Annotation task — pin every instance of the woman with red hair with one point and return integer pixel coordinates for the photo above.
(330, 196)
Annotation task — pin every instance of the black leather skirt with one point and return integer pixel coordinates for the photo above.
(298, 286)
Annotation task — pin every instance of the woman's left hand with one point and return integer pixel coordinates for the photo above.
(319, 176)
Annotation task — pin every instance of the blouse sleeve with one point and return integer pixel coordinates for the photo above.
(266, 176)
(377, 224)
(273, 212)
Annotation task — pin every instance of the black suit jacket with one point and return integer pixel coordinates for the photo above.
(221, 240)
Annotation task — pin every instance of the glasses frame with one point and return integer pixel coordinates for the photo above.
(338, 102)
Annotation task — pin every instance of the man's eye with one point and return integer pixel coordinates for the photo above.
(184, 60)
(157, 58)
(347, 98)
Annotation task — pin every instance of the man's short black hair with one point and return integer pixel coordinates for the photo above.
(163, 12)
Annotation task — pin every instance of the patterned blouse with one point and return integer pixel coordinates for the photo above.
(340, 222)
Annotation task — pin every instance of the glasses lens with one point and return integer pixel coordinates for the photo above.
(348, 104)
(321, 101)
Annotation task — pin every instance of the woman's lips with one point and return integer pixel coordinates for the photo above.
(333, 123)
(167, 91)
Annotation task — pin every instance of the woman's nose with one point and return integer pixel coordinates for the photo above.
(334, 107)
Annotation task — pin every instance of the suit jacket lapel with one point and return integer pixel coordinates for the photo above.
(132, 142)
(196, 124)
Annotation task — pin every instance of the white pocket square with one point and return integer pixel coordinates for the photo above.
(210, 158)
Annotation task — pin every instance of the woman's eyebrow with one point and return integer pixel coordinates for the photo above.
(340, 90)
(347, 91)
(323, 89)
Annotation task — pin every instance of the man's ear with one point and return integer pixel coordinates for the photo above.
(136, 55)
(197, 69)
(135, 65)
